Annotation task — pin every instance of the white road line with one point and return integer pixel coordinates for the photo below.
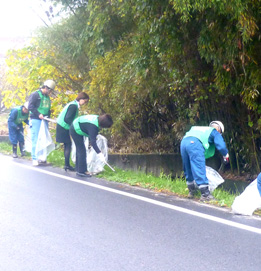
(152, 201)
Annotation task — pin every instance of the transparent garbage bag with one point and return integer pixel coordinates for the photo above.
(73, 152)
(27, 139)
(44, 145)
(247, 202)
(214, 178)
(94, 164)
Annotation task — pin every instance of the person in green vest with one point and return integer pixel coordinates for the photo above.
(64, 120)
(198, 144)
(39, 107)
(89, 126)
(17, 116)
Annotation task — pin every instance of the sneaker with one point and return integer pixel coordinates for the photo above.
(191, 195)
(83, 174)
(42, 162)
(35, 163)
(192, 190)
(205, 194)
(15, 155)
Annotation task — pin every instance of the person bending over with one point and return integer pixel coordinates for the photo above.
(89, 126)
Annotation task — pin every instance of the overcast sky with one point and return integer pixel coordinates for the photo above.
(17, 17)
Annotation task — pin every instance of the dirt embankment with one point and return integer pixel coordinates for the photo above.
(246, 177)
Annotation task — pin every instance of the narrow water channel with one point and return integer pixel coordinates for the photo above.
(233, 186)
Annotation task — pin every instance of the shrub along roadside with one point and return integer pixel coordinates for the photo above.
(163, 184)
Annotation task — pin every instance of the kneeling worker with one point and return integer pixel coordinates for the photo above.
(197, 145)
(17, 116)
(87, 125)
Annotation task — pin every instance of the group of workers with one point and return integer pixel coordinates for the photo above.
(198, 144)
(69, 125)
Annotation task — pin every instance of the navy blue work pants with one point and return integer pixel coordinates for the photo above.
(194, 162)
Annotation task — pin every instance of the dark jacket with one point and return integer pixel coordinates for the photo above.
(34, 103)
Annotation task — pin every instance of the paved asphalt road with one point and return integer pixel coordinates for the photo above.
(51, 220)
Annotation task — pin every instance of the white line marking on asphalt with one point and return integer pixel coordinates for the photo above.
(152, 201)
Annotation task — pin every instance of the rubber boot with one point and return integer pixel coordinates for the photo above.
(192, 190)
(21, 146)
(15, 151)
(205, 194)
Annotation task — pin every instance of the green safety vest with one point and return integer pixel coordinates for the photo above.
(203, 133)
(83, 119)
(62, 115)
(45, 104)
(20, 117)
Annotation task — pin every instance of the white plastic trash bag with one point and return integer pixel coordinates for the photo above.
(44, 144)
(214, 178)
(94, 165)
(73, 152)
(27, 139)
(248, 201)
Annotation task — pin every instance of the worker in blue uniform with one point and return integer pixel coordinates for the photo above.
(198, 144)
(17, 116)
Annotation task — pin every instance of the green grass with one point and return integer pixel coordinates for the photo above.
(5, 148)
(162, 184)
(56, 157)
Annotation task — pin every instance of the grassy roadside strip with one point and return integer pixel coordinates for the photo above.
(164, 184)
(161, 184)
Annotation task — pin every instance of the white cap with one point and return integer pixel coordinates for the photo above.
(50, 84)
(26, 105)
(218, 123)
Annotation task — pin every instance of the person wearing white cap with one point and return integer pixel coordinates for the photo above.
(198, 144)
(17, 116)
(39, 107)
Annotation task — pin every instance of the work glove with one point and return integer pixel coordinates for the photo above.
(101, 157)
(226, 159)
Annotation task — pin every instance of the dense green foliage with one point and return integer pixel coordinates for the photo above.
(157, 67)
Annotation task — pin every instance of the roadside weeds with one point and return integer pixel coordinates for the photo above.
(162, 184)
